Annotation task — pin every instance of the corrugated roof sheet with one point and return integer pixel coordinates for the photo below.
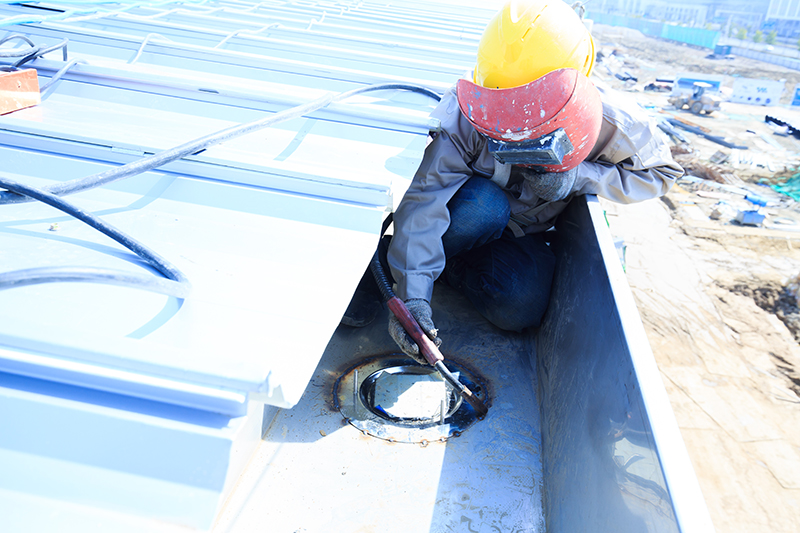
(273, 229)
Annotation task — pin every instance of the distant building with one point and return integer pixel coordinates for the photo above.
(733, 15)
(694, 14)
(783, 16)
(728, 16)
(630, 8)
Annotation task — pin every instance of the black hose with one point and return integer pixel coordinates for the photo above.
(375, 266)
(43, 90)
(107, 276)
(385, 287)
(176, 283)
(380, 277)
(39, 51)
(162, 158)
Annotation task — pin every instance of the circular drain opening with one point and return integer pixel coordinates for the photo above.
(409, 395)
(394, 398)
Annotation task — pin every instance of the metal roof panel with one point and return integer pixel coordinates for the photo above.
(273, 228)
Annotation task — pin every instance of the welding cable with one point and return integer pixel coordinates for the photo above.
(145, 41)
(19, 52)
(43, 90)
(192, 147)
(15, 36)
(29, 54)
(42, 51)
(37, 51)
(33, 54)
(176, 284)
(409, 323)
(248, 32)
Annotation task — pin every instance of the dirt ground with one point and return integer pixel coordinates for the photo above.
(715, 295)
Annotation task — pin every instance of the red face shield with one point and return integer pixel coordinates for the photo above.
(560, 100)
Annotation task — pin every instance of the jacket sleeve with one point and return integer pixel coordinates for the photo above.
(416, 255)
(631, 160)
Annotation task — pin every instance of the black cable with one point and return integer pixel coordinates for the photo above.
(167, 156)
(17, 36)
(19, 52)
(42, 51)
(148, 282)
(179, 286)
(384, 286)
(31, 55)
(176, 283)
(375, 266)
(387, 293)
(43, 90)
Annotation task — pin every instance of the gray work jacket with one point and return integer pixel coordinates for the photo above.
(630, 162)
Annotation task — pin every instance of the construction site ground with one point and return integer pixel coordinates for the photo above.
(714, 294)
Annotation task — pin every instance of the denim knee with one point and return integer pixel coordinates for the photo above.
(479, 212)
(508, 280)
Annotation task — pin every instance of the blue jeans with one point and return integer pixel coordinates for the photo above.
(506, 278)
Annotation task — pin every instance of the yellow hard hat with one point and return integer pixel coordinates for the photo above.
(527, 39)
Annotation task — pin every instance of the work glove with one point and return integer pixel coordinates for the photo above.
(550, 186)
(421, 310)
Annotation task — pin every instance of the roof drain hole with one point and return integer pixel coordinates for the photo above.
(393, 398)
(409, 395)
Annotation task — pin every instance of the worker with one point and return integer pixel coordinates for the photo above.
(477, 211)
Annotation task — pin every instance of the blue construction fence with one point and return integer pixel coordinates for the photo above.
(681, 34)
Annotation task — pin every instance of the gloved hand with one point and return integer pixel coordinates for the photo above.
(550, 186)
(421, 310)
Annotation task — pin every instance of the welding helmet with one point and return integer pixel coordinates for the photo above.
(531, 87)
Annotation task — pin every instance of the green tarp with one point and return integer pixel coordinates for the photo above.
(791, 188)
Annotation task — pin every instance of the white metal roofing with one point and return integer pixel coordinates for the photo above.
(273, 229)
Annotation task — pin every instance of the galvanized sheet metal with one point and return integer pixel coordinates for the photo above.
(260, 224)
(274, 230)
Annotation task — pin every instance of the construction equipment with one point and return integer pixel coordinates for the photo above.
(698, 101)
